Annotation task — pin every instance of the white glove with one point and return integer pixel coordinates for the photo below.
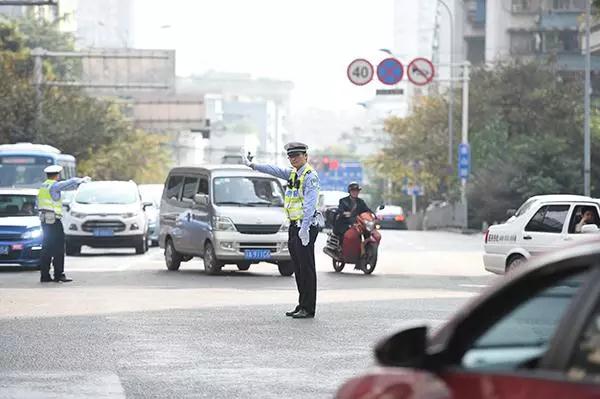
(245, 158)
(86, 179)
(304, 237)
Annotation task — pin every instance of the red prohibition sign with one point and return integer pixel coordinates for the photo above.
(420, 71)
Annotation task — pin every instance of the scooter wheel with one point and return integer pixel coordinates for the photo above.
(338, 266)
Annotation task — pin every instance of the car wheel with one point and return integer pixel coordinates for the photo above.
(515, 262)
(211, 263)
(338, 266)
(142, 246)
(172, 257)
(286, 268)
(72, 249)
(243, 266)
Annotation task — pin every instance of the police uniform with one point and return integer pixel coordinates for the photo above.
(300, 205)
(50, 208)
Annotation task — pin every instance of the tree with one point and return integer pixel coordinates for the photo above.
(93, 130)
(525, 136)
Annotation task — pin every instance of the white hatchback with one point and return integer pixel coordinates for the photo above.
(541, 224)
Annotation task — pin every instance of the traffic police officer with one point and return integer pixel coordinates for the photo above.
(50, 207)
(301, 197)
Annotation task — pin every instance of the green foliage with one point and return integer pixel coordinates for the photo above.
(525, 132)
(95, 131)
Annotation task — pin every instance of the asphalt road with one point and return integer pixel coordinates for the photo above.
(127, 327)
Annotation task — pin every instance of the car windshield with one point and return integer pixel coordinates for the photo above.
(151, 193)
(107, 193)
(247, 191)
(525, 207)
(17, 205)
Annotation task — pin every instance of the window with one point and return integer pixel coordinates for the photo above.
(247, 191)
(174, 187)
(203, 186)
(522, 336)
(189, 188)
(525, 207)
(549, 219)
(585, 363)
(522, 43)
(524, 5)
(591, 216)
(561, 41)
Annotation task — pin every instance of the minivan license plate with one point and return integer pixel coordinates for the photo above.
(257, 254)
(103, 232)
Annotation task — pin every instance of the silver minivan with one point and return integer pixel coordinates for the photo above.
(226, 214)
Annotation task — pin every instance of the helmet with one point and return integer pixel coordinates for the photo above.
(354, 186)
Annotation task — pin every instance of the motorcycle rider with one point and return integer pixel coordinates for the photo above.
(348, 208)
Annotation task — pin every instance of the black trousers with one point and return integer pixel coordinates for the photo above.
(53, 250)
(303, 259)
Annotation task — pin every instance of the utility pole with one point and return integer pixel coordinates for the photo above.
(587, 158)
(38, 77)
(465, 136)
(451, 93)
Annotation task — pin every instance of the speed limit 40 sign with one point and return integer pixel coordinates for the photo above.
(360, 72)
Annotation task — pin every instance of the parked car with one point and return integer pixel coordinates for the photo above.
(391, 217)
(152, 193)
(20, 229)
(107, 214)
(327, 201)
(535, 334)
(225, 214)
(541, 224)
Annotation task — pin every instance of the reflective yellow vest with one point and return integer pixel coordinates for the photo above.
(45, 201)
(294, 197)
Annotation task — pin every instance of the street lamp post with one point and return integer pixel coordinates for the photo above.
(451, 94)
(587, 161)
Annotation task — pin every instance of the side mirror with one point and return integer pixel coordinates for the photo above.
(201, 199)
(511, 212)
(67, 207)
(147, 205)
(590, 229)
(404, 349)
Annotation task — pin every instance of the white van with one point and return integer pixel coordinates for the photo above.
(226, 214)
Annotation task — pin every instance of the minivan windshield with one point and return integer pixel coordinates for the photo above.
(247, 191)
(107, 193)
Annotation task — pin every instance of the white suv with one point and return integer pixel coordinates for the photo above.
(541, 224)
(106, 214)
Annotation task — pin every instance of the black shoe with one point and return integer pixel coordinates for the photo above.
(62, 279)
(303, 314)
(46, 280)
(293, 312)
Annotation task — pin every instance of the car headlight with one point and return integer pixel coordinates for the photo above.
(285, 227)
(31, 234)
(221, 223)
(129, 215)
(370, 225)
(78, 215)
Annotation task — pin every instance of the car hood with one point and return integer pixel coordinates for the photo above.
(257, 215)
(104, 209)
(20, 221)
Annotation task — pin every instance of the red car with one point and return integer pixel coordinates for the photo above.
(536, 334)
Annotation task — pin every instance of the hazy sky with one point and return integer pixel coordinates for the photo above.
(310, 42)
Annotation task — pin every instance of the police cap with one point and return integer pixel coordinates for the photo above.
(53, 169)
(295, 148)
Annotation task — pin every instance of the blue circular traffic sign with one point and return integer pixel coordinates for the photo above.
(390, 71)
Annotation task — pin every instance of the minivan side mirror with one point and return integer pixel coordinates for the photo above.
(201, 199)
(590, 228)
(404, 349)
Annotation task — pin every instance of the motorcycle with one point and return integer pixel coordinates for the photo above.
(359, 247)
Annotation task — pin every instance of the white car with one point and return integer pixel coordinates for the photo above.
(106, 214)
(543, 223)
